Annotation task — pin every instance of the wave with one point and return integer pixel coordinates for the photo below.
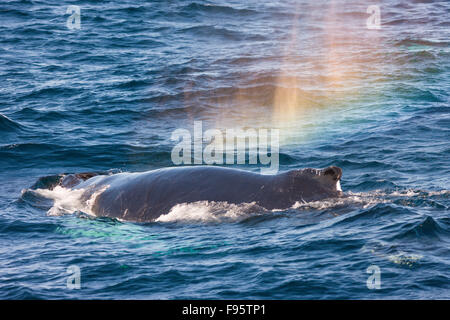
(8, 125)
(51, 92)
(217, 9)
(25, 227)
(95, 156)
(209, 31)
(421, 42)
(425, 228)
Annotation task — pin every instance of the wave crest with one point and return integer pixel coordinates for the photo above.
(7, 125)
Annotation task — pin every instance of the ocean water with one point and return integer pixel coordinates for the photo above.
(370, 98)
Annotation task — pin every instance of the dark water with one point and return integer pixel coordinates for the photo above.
(108, 96)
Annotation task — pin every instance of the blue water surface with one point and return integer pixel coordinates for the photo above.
(107, 97)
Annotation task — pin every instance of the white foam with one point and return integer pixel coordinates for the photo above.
(69, 200)
(363, 199)
(398, 257)
(403, 258)
(439, 193)
(403, 193)
(211, 211)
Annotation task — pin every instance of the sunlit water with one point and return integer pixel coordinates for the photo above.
(108, 96)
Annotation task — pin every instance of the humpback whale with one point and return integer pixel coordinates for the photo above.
(145, 196)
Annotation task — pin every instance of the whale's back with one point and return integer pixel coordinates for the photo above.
(146, 196)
